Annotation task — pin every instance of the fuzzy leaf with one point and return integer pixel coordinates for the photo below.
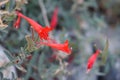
(10, 57)
(13, 76)
(105, 52)
(31, 63)
(41, 62)
(1, 76)
(11, 5)
(30, 44)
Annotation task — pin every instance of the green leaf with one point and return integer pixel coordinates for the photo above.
(1, 76)
(31, 63)
(10, 57)
(11, 5)
(21, 68)
(41, 62)
(105, 52)
(13, 76)
(30, 44)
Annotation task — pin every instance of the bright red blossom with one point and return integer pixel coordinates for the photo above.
(42, 31)
(92, 60)
(17, 23)
(63, 47)
(54, 20)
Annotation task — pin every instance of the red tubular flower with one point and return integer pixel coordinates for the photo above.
(42, 31)
(17, 23)
(92, 60)
(54, 20)
(63, 47)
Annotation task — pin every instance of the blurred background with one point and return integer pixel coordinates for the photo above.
(84, 23)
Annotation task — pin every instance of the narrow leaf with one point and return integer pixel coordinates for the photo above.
(41, 65)
(1, 76)
(105, 52)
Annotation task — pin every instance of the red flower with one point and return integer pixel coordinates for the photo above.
(92, 60)
(63, 47)
(17, 23)
(54, 20)
(42, 31)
